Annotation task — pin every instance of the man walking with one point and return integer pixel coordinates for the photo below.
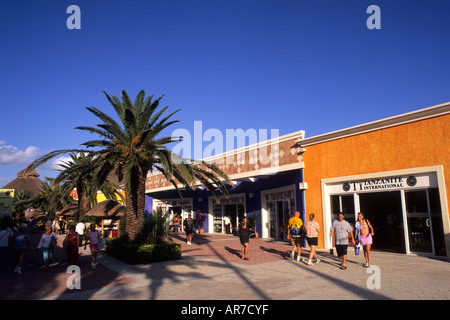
(340, 229)
(189, 229)
(295, 234)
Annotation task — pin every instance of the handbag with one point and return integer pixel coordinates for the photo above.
(53, 241)
(101, 243)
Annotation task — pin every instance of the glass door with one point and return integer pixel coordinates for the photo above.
(419, 221)
(217, 220)
(285, 221)
(272, 213)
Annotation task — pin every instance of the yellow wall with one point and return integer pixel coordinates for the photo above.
(101, 197)
(418, 144)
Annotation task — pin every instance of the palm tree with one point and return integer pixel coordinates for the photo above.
(78, 173)
(50, 199)
(133, 147)
(21, 197)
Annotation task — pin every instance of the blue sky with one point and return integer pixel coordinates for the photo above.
(264, 64)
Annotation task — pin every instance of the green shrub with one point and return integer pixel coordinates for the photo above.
(154, 229)
(142, 253)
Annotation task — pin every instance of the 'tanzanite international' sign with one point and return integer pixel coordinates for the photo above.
(384, 184)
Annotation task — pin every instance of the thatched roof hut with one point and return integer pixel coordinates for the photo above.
(106, 209)
(69, 210)
(26, 180)
(34, 213)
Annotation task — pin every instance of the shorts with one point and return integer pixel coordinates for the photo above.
(312, 241)
(297, 241)
(341, 249)
(367, 239)
(93, 247)
(244, 239)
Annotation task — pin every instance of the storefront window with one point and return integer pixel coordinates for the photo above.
(344, 204)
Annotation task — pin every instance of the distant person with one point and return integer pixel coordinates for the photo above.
(5, 239)
(295, 225)
(62, 225)
(55, 226)
(365, 236)
(47, 244)
(244, 237)
(312, 230)
(176, 223)
(80, 227)
(93, 237)
(189, 228)
(71, 244)
(20, 244)
(227, 223)
(340, 229)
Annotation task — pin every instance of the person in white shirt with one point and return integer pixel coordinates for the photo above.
(80, 227)
(47, 244)
(5, 238)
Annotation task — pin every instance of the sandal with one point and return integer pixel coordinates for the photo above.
(366, 265)
(343, 267)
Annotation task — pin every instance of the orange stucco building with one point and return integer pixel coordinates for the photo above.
(395, 170)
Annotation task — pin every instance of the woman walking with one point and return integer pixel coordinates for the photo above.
(363, 226)
(244, 236)
(312, 230)
(93, 236)
(47, 244)
(71, 245)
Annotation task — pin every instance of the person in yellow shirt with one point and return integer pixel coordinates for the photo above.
(295, 234)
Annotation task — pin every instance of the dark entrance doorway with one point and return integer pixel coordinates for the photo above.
(384, 211)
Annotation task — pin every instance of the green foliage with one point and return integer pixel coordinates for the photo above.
(154, 229)
(133, 253)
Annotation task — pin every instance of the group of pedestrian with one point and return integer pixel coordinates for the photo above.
(341, 231)
(59, 226)
(74, 240)
(18, 241)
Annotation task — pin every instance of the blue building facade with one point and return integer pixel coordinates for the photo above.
(267, 201)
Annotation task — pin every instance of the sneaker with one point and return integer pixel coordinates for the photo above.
(316, 260)
(298, 258)
(15, 269)
(292, 255)
(309, 263)
(19, 272)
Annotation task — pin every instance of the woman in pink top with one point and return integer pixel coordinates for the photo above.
(312, 230)
(93, 236)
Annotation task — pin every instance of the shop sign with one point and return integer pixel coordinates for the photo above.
(6, 201)
(176, 203)
(280, 196)
(229, 201)
(385, 183)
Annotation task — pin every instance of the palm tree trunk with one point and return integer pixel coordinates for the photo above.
(84, 205)
(135, 204)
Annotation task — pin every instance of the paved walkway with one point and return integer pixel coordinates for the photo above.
(211, 268)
